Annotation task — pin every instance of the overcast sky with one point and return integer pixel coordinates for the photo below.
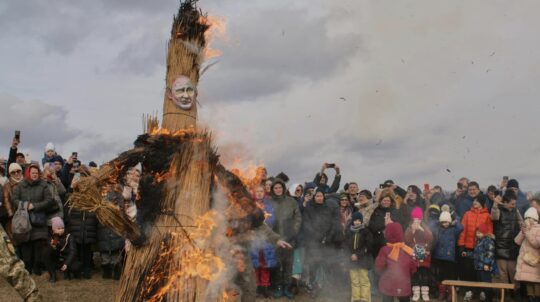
(406, 90)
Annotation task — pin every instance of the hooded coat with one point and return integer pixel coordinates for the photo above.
(320, 224)
(445, 247)
(287, 214)
(472, 219)
(530, 243)
(395, 276)
(360, 241)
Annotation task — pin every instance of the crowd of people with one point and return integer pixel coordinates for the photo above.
(390, 242)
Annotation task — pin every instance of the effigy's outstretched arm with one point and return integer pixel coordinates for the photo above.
(87, 196)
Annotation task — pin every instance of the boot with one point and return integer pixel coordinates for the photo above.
(416, 293)
(52, 276)
(117, 273)
(425, 293)
(279, 292)
(106, 271)
(442, 292)
(287, 293)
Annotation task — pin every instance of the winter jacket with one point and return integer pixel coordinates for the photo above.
(57, 190)
(405, 211)
(109, 241)
(288, 216)
(66, 251)
(423, 240)
(463, 204)
(484, 253)
(267, 248)
(472, 219)
(530, 244)
(325, 188)
(83, 226)
(37, 193)
(377, 226)
(395, 276)
(506, 225)
(367, 210)
(522, 202)
(360, 241)
(320, 224)
(446, 240)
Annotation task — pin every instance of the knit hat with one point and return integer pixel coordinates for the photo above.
(532, 213)
(49, 147)
(445, 217)
(57, 223)
(417, 213)
(512, 183)
(14, 167)
(484, 228)
(356, 216)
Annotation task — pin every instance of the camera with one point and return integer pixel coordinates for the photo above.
(17, 134)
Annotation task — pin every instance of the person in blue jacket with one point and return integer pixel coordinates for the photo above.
(444, 251)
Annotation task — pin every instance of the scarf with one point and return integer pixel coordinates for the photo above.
(396, 247)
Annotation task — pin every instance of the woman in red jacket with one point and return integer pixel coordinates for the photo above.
(395, 265)
(476, 216)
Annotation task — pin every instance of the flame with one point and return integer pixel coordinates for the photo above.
(181, 258)
(218, 28)
(251, 175)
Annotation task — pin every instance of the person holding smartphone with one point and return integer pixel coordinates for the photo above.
(321, 179)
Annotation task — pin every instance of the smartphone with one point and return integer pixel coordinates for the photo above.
(426, 187)
(17, 134)
(331, 165)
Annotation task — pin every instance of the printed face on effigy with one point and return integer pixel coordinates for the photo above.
(183, 93)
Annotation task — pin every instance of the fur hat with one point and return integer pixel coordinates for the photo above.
(387, 192)
(445, 217)
(417, 213)
(49, 147)
(531, 213)
(14, 167)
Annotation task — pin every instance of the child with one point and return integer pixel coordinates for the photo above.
(528, 238)
(395, 265)
(419, 238)
(444, 253)
(484, 258)
(360, 240)
(61, 251)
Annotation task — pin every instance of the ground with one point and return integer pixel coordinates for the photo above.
(99, 290)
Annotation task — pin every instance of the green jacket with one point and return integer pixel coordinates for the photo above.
(288, 217)
(39, 194)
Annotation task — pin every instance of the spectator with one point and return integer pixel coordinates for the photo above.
(14, 156)
(384, 214)
(34, 194)
(526, 269)
(464, 203)
(535, 203)
(522, 202)
(50, 155)
(419, 238)
(398, 191)
(359, 240)
(15, 177)
(268, 186)
(506, 223)
(412, 200)
(109, 243)
(296, 191)
(288, 222)
(395, 265)
(492, 192)
(353, 191)
(57, 190)
(476, 216)
(433, 214)
(484, 260)
(263, 255)
(72, 168)
(321, 179)
(319, 227)
(444, 253)
(345, 213)
(83, 227)
(365, 205)
(61, 252)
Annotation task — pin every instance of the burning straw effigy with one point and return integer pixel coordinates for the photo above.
(173, 256)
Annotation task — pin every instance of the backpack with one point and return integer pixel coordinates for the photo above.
(20, 224)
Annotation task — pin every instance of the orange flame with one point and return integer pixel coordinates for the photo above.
(218, 28)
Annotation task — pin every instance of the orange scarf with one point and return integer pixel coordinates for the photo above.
(396, 247)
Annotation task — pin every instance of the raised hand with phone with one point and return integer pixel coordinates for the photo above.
(321, 179)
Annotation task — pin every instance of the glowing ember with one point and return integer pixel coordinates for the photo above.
(218, 26)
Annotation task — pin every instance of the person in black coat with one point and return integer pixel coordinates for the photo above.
(320, 222)
(61, 252)
(110, 244)
(83, 227)
(384, 214)
(359, 240)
